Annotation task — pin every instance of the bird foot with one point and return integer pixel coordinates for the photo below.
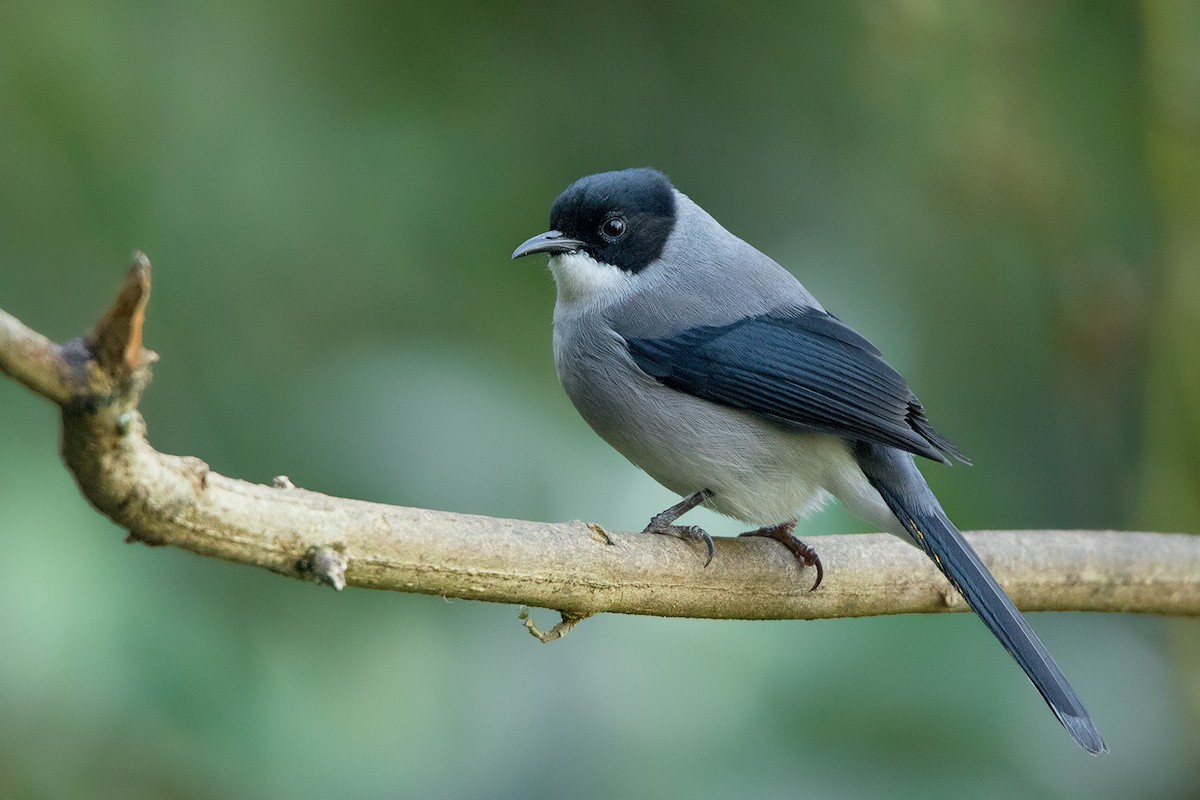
(803, 553)
(689, 533)
(662, 523)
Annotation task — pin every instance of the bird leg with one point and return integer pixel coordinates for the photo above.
(782, 533)
(663, 522)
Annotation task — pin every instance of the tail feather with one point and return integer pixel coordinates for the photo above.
(919, 512)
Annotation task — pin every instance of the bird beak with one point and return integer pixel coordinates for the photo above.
(552, 242)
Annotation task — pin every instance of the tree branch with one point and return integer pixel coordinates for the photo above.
(576, 568)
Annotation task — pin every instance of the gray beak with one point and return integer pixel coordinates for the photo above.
(551, 242)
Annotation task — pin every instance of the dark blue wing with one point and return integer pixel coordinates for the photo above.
(806, 370)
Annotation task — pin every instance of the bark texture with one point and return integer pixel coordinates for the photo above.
(576, 568)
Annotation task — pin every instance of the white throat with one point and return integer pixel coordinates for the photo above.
(585, 283)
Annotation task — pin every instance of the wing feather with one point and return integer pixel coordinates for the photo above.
(805, 370)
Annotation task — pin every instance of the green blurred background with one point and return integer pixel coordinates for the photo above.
(1002, 195)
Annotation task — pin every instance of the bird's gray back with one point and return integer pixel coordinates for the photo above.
(705, 276)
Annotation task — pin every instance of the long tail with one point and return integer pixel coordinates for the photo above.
(899, 482)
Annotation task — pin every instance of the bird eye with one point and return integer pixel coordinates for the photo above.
(613, 228)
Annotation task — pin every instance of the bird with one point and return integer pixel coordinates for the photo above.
(709, 366)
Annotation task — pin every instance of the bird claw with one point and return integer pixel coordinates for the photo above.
(662, 522)
(803, 553)
(689, 533)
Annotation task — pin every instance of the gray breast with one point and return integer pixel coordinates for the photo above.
(759, 471)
